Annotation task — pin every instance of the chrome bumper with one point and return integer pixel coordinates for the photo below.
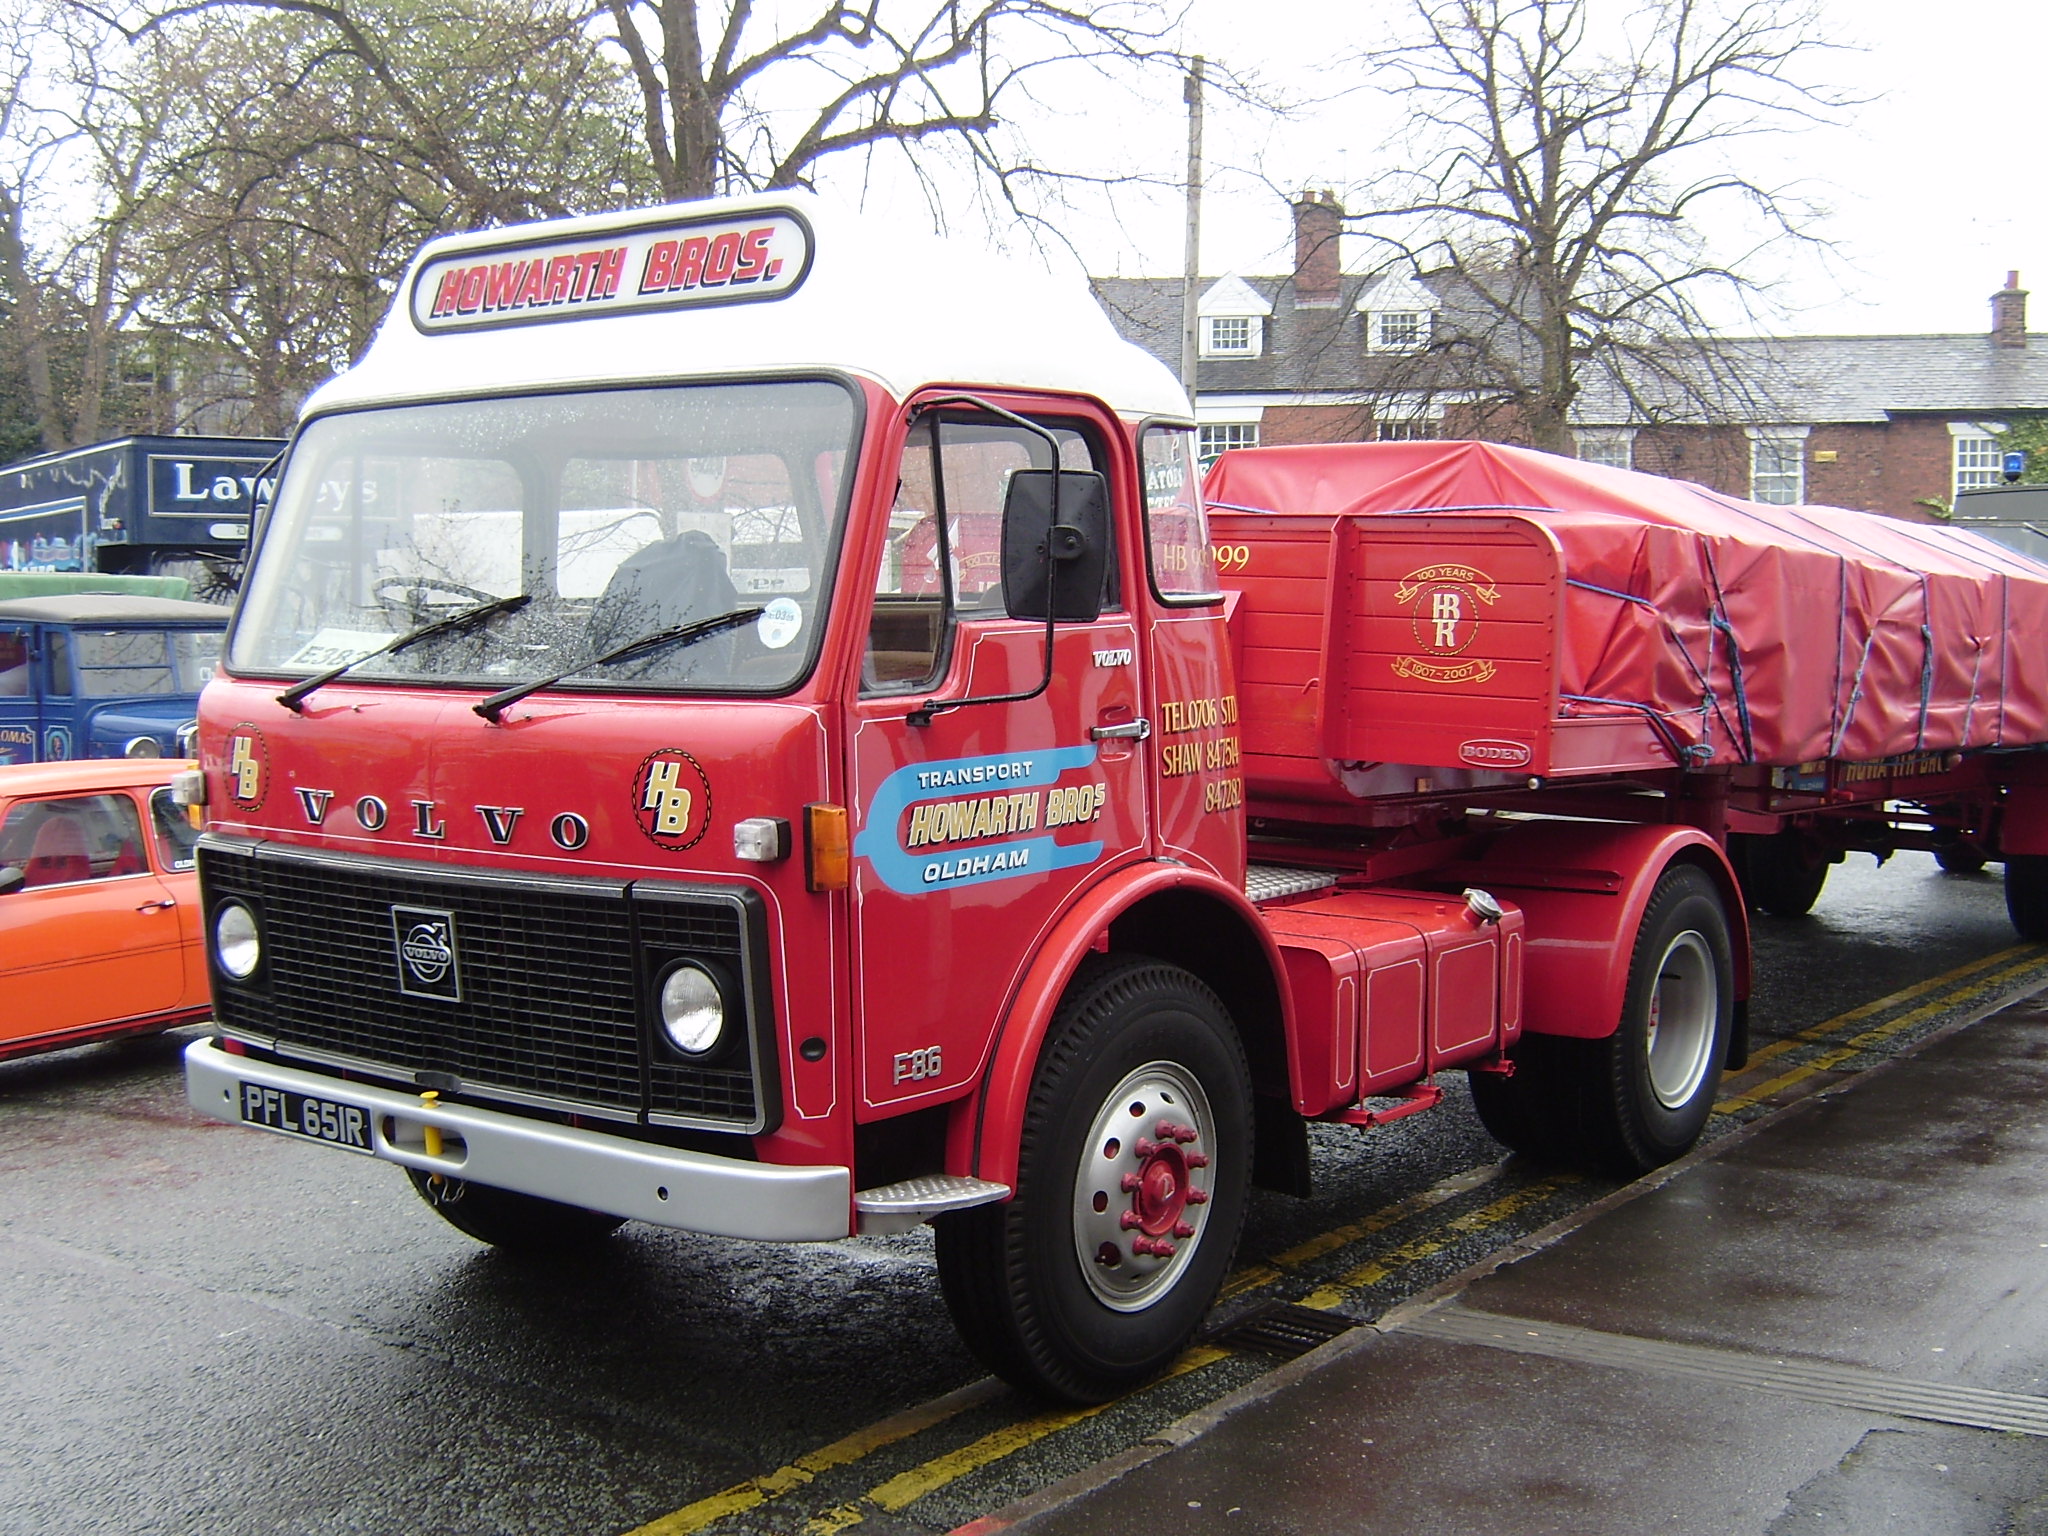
(695, 1191)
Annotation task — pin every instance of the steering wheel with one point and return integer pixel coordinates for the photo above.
(410, 594)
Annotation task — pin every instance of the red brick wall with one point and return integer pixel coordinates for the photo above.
(1878, 466)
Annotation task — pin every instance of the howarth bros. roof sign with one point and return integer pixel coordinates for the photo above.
(763, 254)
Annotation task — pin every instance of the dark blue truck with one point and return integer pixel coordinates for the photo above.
(138, 506)
(97, 666)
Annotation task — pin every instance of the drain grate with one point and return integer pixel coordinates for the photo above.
(1282, 1329)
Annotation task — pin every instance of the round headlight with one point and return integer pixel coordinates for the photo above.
(236, 945)
(692, 1011)
(143, 746)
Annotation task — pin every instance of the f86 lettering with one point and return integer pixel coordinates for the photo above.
(916, 1066)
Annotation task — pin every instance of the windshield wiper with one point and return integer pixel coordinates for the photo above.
(661, 639)
(293, 698)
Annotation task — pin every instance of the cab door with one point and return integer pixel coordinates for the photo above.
(973, 825)
(93, 934)
(20, 721)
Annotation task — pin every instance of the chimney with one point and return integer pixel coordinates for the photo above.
(2009, 314)
(1318, 225)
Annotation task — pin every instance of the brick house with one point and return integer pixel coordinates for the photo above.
(1894, 424)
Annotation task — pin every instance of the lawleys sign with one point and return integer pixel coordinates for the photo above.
(760, 255)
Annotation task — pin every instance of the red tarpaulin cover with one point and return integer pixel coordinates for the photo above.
(1757, 633)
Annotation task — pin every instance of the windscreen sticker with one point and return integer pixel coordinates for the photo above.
(939, 826)
(780, 623)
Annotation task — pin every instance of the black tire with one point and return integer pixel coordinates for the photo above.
(1622, 1105)
(1779, 873)
(1960, 858)
(1141, 1052)
(523, 1224)
(2026, 894)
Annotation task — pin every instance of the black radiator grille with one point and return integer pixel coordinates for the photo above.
(551, 973)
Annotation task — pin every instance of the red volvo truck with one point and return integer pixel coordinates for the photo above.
(742, 721)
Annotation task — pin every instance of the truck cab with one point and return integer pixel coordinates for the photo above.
(102, 674)
(708, 682)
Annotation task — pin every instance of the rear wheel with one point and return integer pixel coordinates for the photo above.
(1640, 1097)
(516, 1223)
(2026, 894)
(1132, 1172)
(1779, 873)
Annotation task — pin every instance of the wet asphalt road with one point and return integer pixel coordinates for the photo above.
(204, 1329)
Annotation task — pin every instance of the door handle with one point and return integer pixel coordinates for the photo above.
(1130, 730)
(158, 906)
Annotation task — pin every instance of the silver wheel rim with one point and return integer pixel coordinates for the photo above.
(1141, 1192)
(1685, 1006)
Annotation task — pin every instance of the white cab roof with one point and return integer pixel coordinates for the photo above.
(896, 306)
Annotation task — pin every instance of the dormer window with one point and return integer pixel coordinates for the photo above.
(1233, 319)
(1230, 336)
(1399, 314)
(1400, 330)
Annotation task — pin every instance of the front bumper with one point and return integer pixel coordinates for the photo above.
(696, 1191)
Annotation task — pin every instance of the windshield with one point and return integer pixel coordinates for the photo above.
(619, 513)
(113, 663)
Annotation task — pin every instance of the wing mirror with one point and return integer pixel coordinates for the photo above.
(1067, 558)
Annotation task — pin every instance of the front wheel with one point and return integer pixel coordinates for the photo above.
(1132, 1174)
(517, 1223)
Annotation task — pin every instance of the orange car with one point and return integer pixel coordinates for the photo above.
(100, 931)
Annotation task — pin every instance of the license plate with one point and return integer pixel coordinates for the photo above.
(300, 1114)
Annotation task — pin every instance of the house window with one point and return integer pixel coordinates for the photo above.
(1400, 330)
(1976, 459)
(1777, 468)
(1230, 336)
(1614, 449)
(1416, 429)
(1217, 436)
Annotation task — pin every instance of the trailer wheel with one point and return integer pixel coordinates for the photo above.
(1958, 857)
(514, 1222)
(2026, 894)
(1132, 1173)
(1640, 1097)
(1778, 873)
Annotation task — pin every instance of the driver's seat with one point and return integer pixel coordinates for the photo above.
(669, 582)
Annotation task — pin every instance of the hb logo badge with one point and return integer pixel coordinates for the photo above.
(247, 761)
(672, 799)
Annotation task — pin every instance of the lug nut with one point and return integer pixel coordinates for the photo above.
(1132, 1183)
(1144, 1148)
(1182, 1229)
(1197, 1159)
(1158, 1247)
(1130, 1219)
(1198, 1197)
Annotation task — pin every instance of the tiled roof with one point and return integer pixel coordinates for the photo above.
(1872, 378)
(1319, 349)
(1797, 379)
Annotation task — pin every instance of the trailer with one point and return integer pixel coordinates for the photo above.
(730, 728)
(146, 505)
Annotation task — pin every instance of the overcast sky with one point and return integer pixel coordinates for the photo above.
(1936, 187)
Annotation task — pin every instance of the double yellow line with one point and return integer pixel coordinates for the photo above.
(2006, 971)
(2009, 971)
(906, 1487)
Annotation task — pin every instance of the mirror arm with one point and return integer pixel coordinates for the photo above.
(925, 712)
